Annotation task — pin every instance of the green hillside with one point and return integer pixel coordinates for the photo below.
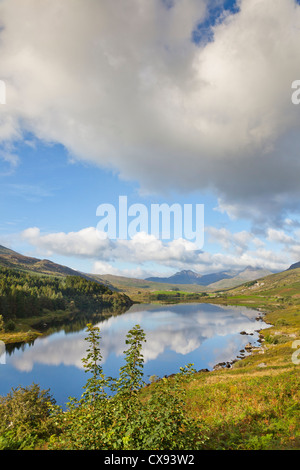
(34, 301)
(14, 260)
(280, 285)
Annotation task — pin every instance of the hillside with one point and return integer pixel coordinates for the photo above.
(185, 280)
(248, 274)
(35, 293)
(12, 259)
(285, 283)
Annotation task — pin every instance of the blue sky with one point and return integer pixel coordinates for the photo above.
(185, 102)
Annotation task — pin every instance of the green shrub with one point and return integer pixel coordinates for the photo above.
(25, 417)
(10, 326)
(126, 419)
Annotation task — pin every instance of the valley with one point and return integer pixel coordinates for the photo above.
(251, 404)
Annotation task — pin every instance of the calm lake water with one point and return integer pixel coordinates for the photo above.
(177, 335)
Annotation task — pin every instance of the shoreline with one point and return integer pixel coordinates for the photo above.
(250, 348)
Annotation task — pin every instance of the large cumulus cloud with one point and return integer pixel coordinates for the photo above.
(122, 84)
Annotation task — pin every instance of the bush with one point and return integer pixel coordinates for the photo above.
(127, 419)
(25, 417)
(10, 326)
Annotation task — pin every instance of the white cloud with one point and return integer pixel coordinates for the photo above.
(279, 236)
(126, 88)
(101, 267)
(148, 255)
(237, 242)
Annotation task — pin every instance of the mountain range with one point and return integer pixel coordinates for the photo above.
(185, 279)
(216, 280)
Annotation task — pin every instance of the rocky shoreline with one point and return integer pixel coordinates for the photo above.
(249, 348)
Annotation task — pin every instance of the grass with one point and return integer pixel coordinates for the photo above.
(261, 411)
(19, 337)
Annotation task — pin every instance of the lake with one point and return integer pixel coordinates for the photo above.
(202, 334)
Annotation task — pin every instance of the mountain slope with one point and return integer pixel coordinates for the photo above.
(285, 283)
(190, 277)
(12, 259)
(248, 274)
(294, 266)
(181, 277)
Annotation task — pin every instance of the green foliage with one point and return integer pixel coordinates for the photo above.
(24, 295)
(125, 419)
(95, 386)
(10, 326)
(176, 296)
(278, 339)
(164, 422)
(24, 417)
(131, 374)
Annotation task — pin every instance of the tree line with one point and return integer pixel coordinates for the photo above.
(24, 295)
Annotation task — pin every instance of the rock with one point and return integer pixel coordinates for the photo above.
(248, 346)
(262, 364)
(203, 370)
(217, 367)
(259, 350)
(243, 333)
(221, 365)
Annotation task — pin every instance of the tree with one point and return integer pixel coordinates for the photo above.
(95, 386)
(131, 374)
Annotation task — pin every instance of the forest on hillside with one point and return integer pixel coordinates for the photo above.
(25, 295)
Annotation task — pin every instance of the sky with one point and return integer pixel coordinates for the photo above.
(161, 101)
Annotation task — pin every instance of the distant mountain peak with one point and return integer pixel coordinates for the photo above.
(294, 266)
(187, 276)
